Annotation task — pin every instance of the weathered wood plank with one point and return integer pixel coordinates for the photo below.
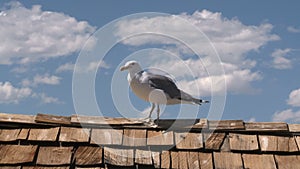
(10, 167)
(86, 155)
(77, 119)
(9, 134)
(266, 126)
(277, 143)
(44, 167)
(54, 155)
(188, 140)
(226, 160)
(23, 134)
(193, 160)
(288, 161)
(294, 128)
(71, 134)
(17, 154)
(175, 159)
(226, 145)
(48, 134)
(134, 137)
(47, 118)
(106, 136)
(165, 159)
(256, 161)
(156, 159)
(205, 160)
(214, 141)
(16, 118)
(297, 138)
(160, 138)
(143, 157)
(243, 142)
(183, 159)
(119, 157)
(226, 125)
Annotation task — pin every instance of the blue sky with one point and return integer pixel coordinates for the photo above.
(257, 42)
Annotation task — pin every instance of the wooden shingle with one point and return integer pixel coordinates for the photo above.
(119, 157)
(16, 118)
(156, 159)
(206, 160)
(294, 128)
(45, 167)
(226, 160)
(266, 126)
(288, 161)
(134, 137)
(54, 119)
(165, 159)
(297, 138)
(54, 155)
(258, 161)
(72, 134)
(188, 140)
(11, 167)
(214, 141)
(193, 160)
(226, 125)
(9, 134)
(243, 142)
(23, 134)
(86, 155)
(183, 159)
(17, 154)
(47, 134)
(106, 136)
(143, 157)
(277, 143)
(174, 159)
(160, 138)
(97, 120)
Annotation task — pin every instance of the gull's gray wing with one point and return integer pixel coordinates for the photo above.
(161, 82)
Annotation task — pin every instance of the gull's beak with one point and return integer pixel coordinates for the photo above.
(122, 68)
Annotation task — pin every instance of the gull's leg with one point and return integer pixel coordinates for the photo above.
(158, 111)
(152, 108)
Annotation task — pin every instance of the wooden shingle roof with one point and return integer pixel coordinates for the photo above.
(49, 141)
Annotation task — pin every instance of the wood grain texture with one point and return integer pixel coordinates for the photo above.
(288, 161)
(188, 140)
(214, 140)
(16, 118)
(243, 142)
(54, 119)
(9, 134)
(206, 160)
(266, 126)
(72, 134)
(294, 128)
(226, 125)
(119, 157)
(40, 134)
(160, 138)
(165, 159)
(258, 161)
(226, 160)
(17, 154)
(277, 143)
(107, 136)
(143, 157)
(54, 155)
(92, 120)
(134, 137)
(86, 155)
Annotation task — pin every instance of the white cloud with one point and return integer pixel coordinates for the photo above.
(11, 94)
(91, 67)
(293, 29)
(294, 98)
(47, 99)
(287, 115)
(42, 79)
(252, 119)
(231, 38)
(279, 59)
(32, 35)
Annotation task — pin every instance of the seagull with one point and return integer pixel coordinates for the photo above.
(155, 88)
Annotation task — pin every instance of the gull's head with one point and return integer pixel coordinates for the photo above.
(131, 66)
